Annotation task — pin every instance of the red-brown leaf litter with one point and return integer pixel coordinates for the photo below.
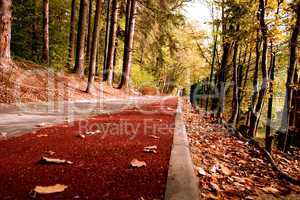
(101, 162)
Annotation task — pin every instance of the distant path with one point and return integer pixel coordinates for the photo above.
(101, 162)
(17, 119)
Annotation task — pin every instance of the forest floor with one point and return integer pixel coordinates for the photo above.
(29, 82)
(229, 168)
(97, 157)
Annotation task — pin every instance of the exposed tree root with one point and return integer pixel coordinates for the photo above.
(268, 155)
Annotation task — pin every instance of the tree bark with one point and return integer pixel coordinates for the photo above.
(128, 46)
(291, 71)
(72, 36)
(268, 138)
(255, 116)
(45, 54)
(5, 33)
(79, 63)
(105, 65)
(255, 78)
(112, 40)
(95, 41)
(235, 98)
(89, 38)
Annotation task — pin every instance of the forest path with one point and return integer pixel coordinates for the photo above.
(19, 118)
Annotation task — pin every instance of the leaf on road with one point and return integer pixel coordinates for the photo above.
(81, 136)
(46, 160)
(154, 137)
(42, 135)
(3, 134)
(41, 125)
(137, 164)
(150, 149)
(50, 189)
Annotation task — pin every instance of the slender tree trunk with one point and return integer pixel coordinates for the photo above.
(255, 78)
(45, 54)
(235, 98)
(212, 69)
(72, 36)
(128, 46)
(112, 40)
(34, 32)
(89, 33)
(105, 65)
(79, 62)
(255, 116)
(95, 41)
(5, 33)
(291, 71)
(268, 138)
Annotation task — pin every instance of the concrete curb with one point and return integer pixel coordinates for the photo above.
(182, 183)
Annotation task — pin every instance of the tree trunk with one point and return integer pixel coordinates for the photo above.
(45, 54)
(291, 72)
(105, 65)
(79, 63)
(255, 116)
(95, 41)
(5, 33)
(235, 98)
(128, 46)
(268, 138)
(89, 33)
(212, 69)
(72, 36)
(255, 78)
(112, 40)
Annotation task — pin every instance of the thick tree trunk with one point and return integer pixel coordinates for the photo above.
(128, 46)
(95, 41)
(72, 36)
(105, 65)
(268, 138)
(255, 116)
(112, 40)
(89, 33)
(79, 63)
(291, 72)
(235, 98)
(5, 33)
(45, 54)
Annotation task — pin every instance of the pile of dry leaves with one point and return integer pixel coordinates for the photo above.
(229, 168)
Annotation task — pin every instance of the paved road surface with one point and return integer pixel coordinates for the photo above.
(17, 119)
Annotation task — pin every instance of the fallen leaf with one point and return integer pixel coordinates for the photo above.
(3, 134)
(46, 160)
(150, 149)
(81, 136)
(51, 153)
(41, 124)
(137, 164)
(42, 135)
(201, 171)
(154, 137)
(270, 190)
(214, 187)
(225, 170)
(50, 189)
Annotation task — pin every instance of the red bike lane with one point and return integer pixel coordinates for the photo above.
(101, 160)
